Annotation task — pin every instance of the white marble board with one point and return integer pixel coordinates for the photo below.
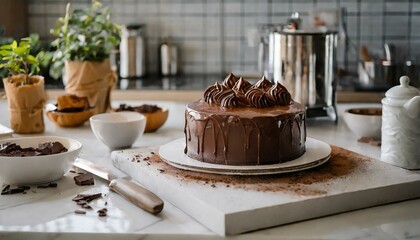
(240, 208)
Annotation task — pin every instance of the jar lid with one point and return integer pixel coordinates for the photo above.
(402, 91)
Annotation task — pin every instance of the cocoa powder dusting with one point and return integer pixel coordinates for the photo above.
(341, 164)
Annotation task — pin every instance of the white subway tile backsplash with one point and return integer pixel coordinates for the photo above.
(232, 6)
(194, 26)
(396, 26)
(397, 6)
(212, 27)
(193, 51)
(232, 26)
(256, 7)
(212, 51)
(212, 34)
(36, 8)
(38, 25)
(195, 8)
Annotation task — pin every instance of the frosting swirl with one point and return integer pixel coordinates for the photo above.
(230, 80)
(237, 92)
(263, 83)
(279, 95)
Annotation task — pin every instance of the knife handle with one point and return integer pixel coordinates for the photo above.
(137, 194)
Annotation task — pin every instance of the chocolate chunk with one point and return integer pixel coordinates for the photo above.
(86, 206)
(51, 148)
(14, 150)
(12, 191)
(84, 179)
(364, 139)
(102, 212)
(78, 211)
(376, 143)
(86, 197)
(145, 108)
(7, 187)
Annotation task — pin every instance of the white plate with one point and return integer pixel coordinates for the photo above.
(5, 131)
(317, 153)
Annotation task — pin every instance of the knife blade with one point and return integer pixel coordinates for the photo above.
(133, 192)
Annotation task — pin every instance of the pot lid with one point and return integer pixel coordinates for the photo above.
(402, 91)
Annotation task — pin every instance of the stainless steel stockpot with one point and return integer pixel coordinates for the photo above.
(305, 63)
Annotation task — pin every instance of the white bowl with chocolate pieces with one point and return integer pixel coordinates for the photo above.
(33, 160)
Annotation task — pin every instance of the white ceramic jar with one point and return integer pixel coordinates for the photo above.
(401, 126)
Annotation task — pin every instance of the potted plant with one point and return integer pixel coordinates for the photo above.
(85, 38)
(25, 91)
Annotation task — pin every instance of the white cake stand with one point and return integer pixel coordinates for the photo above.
(317, 153)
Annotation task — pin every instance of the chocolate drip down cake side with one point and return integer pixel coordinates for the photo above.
(238, 123)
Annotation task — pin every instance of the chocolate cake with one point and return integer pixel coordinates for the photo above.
(238, 123)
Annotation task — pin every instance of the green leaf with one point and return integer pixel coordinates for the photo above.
(21, 50)
(5, 53)
(14, 45)
(6, 47)
(32, 59)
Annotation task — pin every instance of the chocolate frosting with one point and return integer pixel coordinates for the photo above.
(237, 92)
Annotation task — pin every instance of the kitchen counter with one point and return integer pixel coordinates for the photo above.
(48, 213)
(190, 87)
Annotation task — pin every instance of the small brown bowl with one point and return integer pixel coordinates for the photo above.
(155, 120)
(70, 119)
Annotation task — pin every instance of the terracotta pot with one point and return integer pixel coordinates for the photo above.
(26, 103)
(93, 80)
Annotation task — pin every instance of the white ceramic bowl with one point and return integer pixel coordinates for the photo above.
(364, 122)
(118, 129)
(38, 169)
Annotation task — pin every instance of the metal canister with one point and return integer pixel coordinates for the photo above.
(169, 60)
(305, 62)
(132, 51)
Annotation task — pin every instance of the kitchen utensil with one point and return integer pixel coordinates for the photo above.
(38, 169)
(169, 59)
(364, 122)
(388, 66)
(133, 192)
(305, 62)
(5, 131)
(401, 126)
(118, 129)
(132, 51)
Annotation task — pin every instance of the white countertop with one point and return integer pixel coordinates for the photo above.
(48, 214)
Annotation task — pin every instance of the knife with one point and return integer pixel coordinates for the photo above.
(135, 193)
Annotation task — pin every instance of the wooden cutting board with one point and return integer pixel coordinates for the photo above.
(237, 204)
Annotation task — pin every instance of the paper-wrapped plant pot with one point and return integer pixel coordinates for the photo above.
(93, 80)
(26, 103)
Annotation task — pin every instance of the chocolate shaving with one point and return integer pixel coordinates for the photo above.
(342, 163)
(86, 197)
(102, 212)
(49, 185)
(78, 211)
(7, 190)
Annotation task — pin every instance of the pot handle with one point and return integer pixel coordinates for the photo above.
(413, 107)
